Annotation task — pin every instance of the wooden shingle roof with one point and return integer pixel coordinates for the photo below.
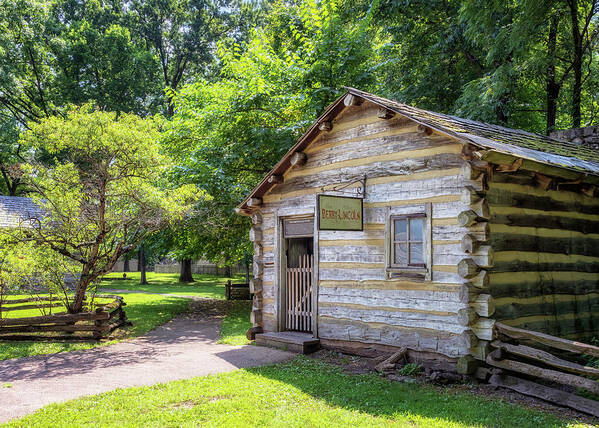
(16, 211)
(561, 155)
(515, 142)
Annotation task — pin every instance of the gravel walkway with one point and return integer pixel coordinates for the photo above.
(183, 348)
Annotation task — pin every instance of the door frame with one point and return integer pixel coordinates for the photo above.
(281, 266)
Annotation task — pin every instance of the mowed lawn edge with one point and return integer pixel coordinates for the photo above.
(303, 392)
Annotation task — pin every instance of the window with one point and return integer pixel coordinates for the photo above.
(407, 241)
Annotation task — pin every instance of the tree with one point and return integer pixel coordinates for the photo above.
(180, 32)
(103, 192)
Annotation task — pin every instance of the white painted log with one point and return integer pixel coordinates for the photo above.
(484, 305)
(470, 195)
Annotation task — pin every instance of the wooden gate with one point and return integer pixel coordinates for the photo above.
(298, 295)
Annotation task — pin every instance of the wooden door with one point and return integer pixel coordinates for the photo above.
(298, 294)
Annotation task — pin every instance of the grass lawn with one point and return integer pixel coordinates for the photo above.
(301, 393)
(208, 286)
(145, 311)
(236, 322)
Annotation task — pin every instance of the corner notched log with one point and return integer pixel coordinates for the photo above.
(352, 100)
(298, 159)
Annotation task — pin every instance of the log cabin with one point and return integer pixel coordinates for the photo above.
(388, 226)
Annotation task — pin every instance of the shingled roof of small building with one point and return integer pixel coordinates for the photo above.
(563, 155)
(17, 210)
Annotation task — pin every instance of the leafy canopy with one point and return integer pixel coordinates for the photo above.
(103, 190)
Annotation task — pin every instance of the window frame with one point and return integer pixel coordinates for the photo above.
(418, 272)
(409, 241)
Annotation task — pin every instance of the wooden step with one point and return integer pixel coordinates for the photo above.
(293, 341)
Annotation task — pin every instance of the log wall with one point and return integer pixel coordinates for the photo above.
(357, 299)
(546, 272)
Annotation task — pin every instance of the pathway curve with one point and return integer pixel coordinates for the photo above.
(182, 348)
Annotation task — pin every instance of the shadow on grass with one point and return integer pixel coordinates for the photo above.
(380, 397)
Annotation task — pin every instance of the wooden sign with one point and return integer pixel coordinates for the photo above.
(340, 213)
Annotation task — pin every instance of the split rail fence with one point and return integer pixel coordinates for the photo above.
(545, 367)
(94, 324)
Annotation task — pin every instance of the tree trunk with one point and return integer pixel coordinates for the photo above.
(228, 271)
(186, 275)
(553, 87)
(126, 267)
(142, 267)
(577, 64)
(80, 290)
(247, 272)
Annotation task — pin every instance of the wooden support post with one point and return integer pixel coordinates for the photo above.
(298, 159)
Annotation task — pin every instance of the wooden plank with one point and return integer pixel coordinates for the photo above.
(547, 340)
(538, 372)
(546, 358)
(546, 393)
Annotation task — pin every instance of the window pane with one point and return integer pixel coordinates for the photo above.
(401, 230)
(416, 254)
(416, 226)
(401, 255)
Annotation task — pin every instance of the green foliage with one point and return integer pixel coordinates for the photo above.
(410, 369)
(227, 134)
(236, 322)
(302, 392)
(100, 192)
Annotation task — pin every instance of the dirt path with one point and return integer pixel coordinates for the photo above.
(183, 348)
